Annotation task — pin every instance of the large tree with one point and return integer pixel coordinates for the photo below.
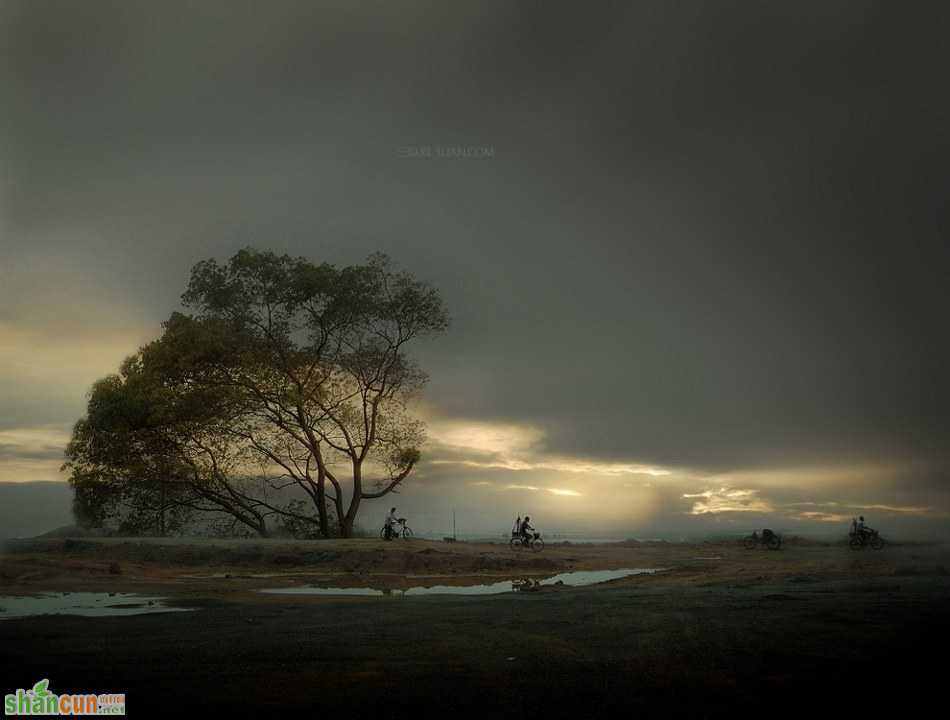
(283, 373)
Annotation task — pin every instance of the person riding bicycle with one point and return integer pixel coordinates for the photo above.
(391, 520)
(863, 530)
(524, 530)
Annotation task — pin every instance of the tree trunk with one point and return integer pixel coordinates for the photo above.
(347, 524)
(322, 503)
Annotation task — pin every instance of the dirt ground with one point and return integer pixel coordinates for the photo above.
(722, 630)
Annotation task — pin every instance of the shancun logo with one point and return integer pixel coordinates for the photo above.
(40, 701)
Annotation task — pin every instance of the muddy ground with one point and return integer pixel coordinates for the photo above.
(723, 631)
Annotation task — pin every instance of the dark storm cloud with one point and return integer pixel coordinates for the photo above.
(708, 234)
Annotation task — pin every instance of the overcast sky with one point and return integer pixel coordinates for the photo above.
(696, 254)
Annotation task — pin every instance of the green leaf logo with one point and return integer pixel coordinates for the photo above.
(39, 690)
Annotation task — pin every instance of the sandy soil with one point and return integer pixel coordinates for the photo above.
(723, 630)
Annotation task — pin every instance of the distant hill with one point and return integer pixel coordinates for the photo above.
(73, 531)
(31, 508)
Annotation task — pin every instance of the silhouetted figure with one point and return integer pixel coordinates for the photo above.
(862, 529)
(525, 529)
(391, 519)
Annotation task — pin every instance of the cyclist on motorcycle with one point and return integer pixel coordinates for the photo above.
(863, 530)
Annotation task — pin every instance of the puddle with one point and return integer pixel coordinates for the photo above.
(81, 603)
(579, 578)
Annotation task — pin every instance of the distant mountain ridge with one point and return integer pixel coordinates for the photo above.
(28, 509)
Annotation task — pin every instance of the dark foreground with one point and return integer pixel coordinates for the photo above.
(769, 645)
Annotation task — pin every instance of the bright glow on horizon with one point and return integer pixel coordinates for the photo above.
(510, 467)
(32, 454)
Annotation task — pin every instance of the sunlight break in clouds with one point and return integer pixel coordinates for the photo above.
(484, 437)
(562, 465)
(513, 459)
(564, 492)
(862, 507)
(824, 517)
(515, 447)
(727, 500)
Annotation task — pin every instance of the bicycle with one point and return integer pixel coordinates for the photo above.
(404, 531)
(773, 542)
(532, 542)
(868, 537)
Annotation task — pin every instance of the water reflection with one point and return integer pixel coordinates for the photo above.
(579, 578)
(81, 603)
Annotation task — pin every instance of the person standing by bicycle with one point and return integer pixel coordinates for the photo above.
(391, 520)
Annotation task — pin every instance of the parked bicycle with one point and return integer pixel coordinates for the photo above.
(529, 542)
(767, 539)
(403, 531)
